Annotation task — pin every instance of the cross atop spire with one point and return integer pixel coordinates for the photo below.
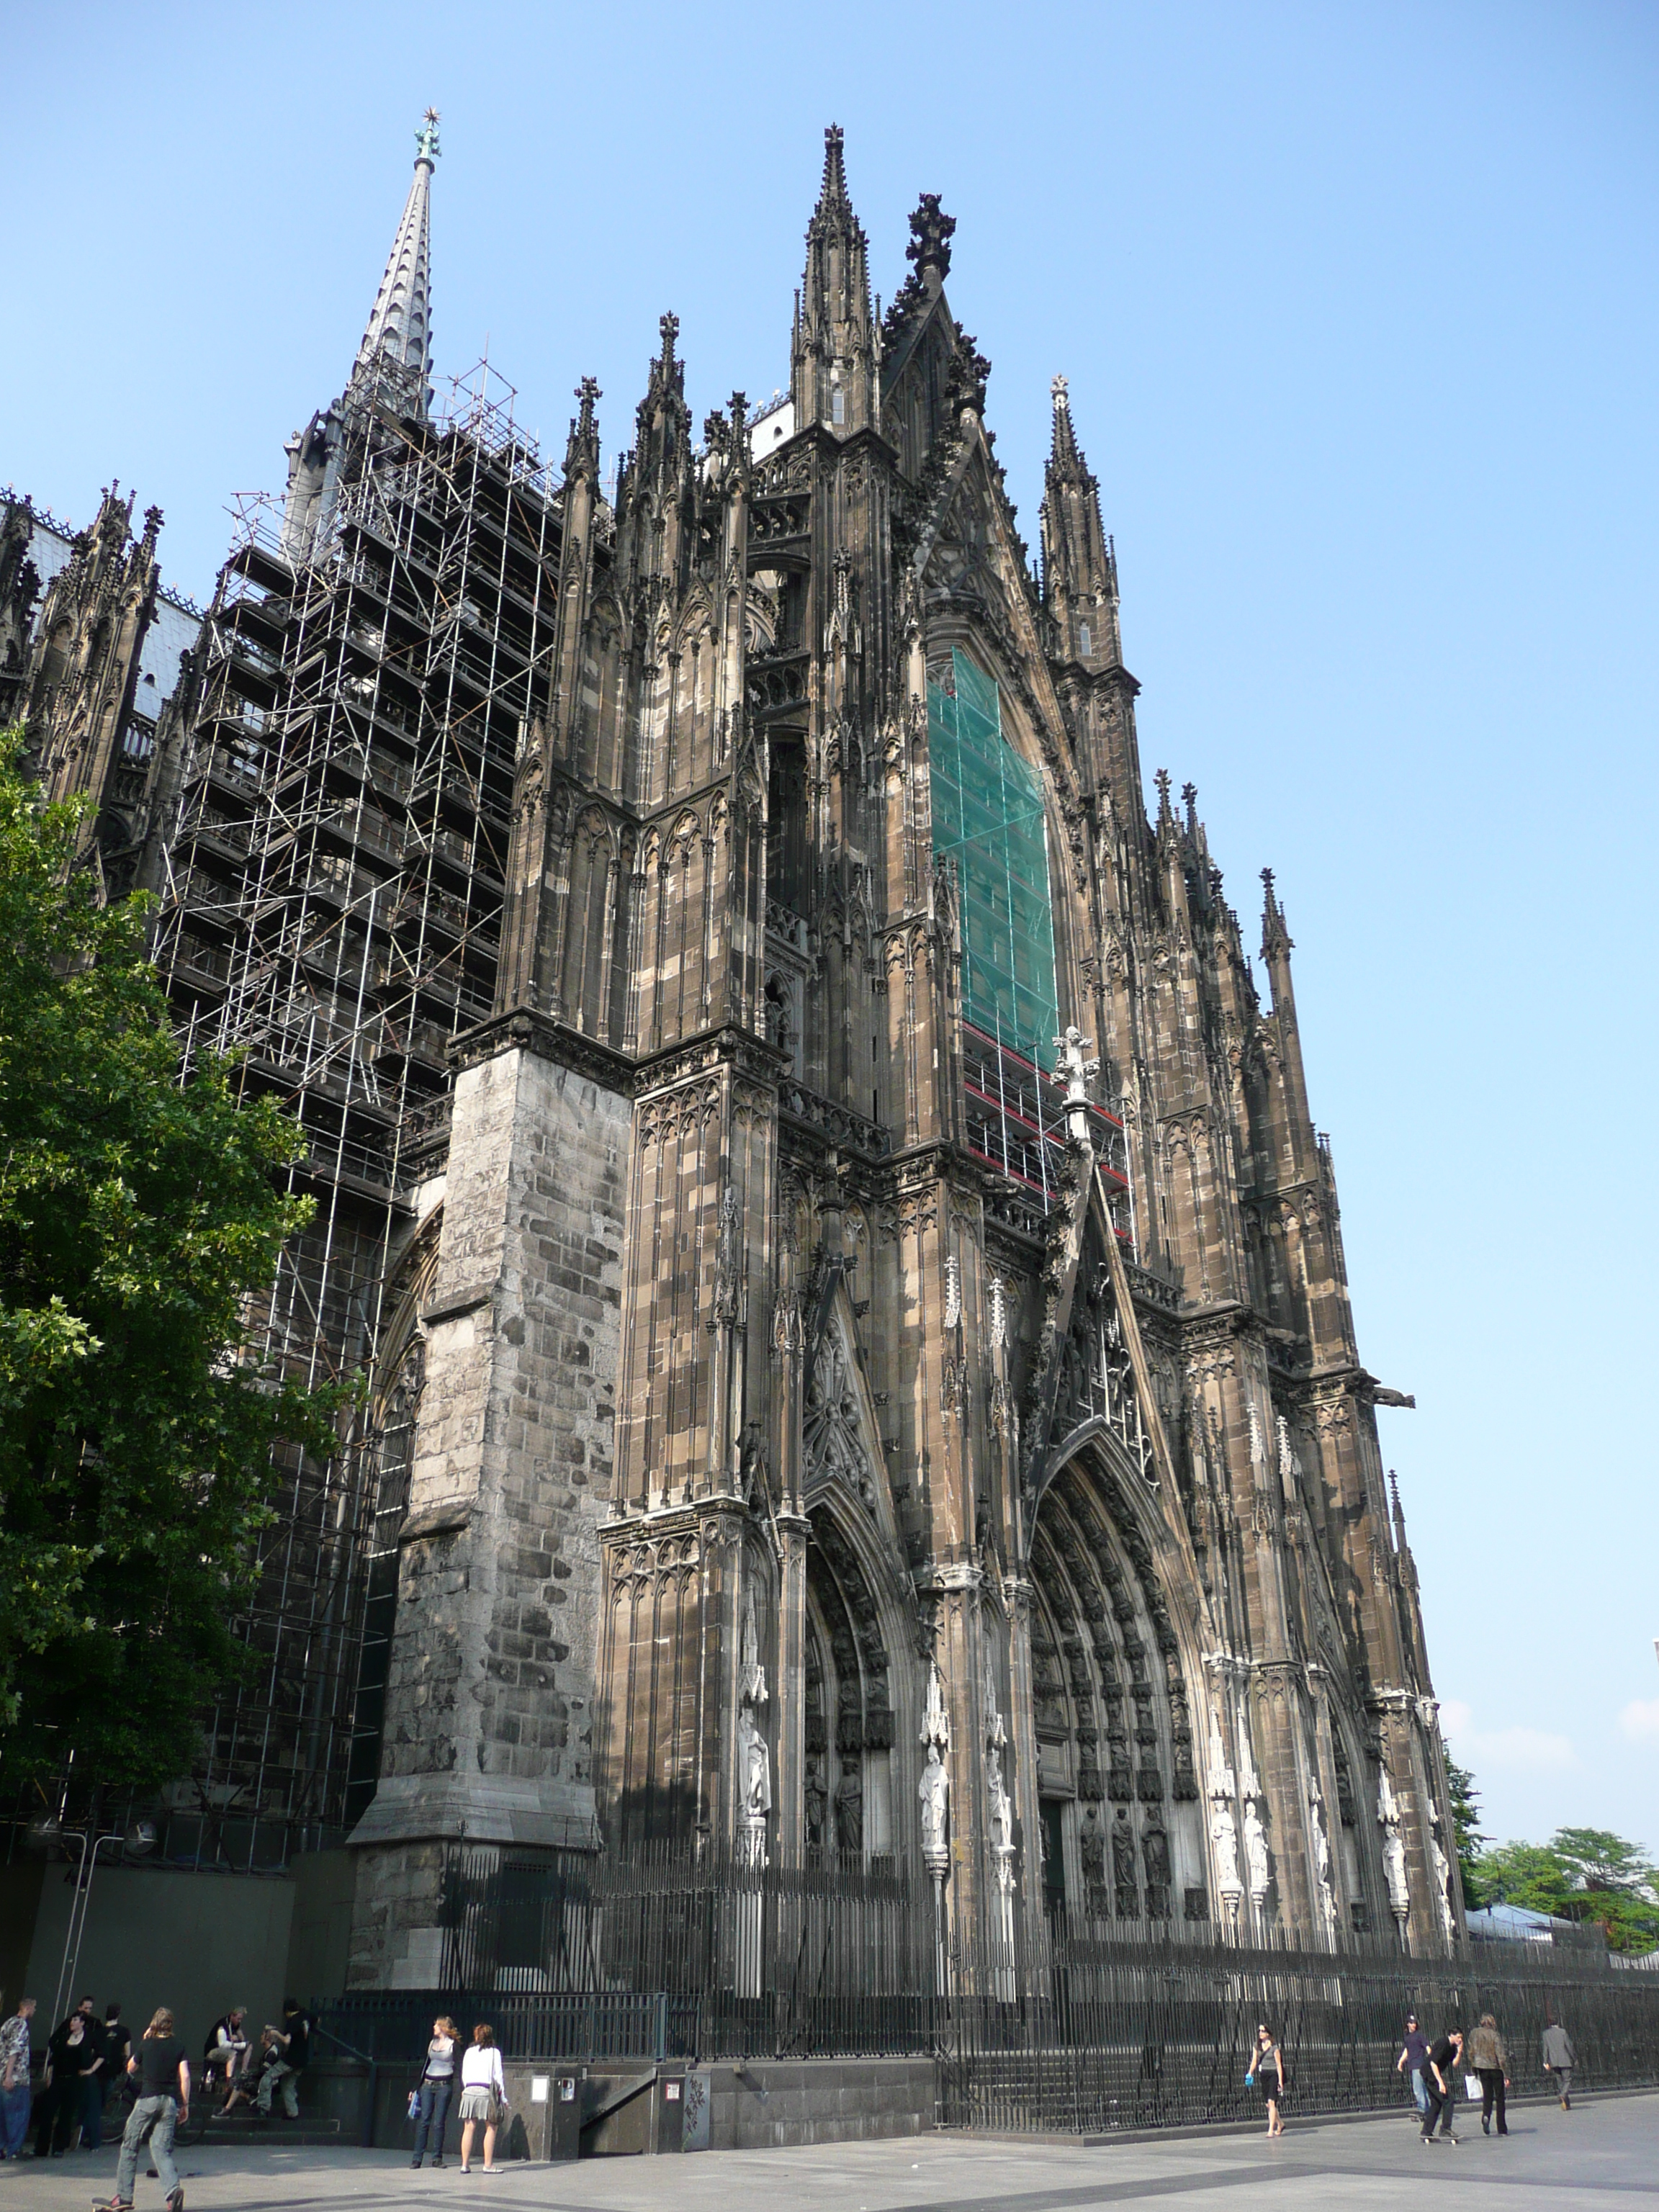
(399, 327)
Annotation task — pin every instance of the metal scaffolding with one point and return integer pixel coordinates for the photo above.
(332, 915)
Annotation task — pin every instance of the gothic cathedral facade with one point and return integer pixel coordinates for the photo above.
(877, 1352)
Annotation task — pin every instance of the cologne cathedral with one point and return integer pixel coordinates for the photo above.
(861, 1353)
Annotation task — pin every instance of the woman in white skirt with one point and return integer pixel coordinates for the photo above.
(484, 2096)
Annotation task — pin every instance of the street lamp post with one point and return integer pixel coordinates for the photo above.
(137, 1838)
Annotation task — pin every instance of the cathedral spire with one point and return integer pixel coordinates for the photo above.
(833, 371)
(1079, 574)
(399, 326)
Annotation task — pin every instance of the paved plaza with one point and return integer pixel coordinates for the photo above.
(1604, 2152)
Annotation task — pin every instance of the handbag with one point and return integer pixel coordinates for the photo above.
(1471, 2089)
(1250, 2079)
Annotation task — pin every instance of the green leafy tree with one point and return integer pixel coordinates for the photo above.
(136, 1214)
(1466, 1825)
(1530, 1874)
(1614, 1886)
(1586, 1875)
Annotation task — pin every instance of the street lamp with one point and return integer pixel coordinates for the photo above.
(137, 1838)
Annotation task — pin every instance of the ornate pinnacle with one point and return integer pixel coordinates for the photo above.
(931, 232)
(1061, 390)
(584, 444)
(833, 192)
(426, 138)
(1276, 940)
(670, 327)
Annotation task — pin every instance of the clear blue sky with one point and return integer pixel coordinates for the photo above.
(1359, 307)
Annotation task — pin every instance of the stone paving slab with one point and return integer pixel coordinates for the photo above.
(1601, 2155)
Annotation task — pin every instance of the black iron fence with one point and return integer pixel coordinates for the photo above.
(1046, 2021)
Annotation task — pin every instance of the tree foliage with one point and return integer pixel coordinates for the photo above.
(1465, 1824)
(136, 1214)
(1586, 1875)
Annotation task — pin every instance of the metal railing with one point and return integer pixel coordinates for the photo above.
(1062, 2021)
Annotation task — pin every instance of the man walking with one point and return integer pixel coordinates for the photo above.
(292, 2042)
(15, 2096)
(163, 2100)
(1445, 2056)
(1559, 2059)
(1415, 2055)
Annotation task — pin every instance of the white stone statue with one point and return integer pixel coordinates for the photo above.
(1322, 1853)
(754, 1768)
(1393, 1866)
(1255, 1851)
(1442, 1887)
(935, 1793)
(1224, 1844)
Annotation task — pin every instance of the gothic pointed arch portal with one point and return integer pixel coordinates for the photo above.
(1122, 1834)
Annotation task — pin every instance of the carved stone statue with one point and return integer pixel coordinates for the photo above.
(1255, 1851)
(1223, 1846)
(817, 1802)
(1393, 1849)
(755, 1767)
(1322, 1853)
(1155, 1850)
(849, 1807)
(1393, 1867)
(1442, 1887)
(1002, 1813)
(1123, 1868)
(934, 1792)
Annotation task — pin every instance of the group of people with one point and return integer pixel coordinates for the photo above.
(86, 2059)
(484, 2094)
(1435, 2068)
(252, 2073)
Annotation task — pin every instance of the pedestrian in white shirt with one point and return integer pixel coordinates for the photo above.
(484, 2096)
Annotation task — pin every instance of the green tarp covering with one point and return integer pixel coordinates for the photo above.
(987, 818)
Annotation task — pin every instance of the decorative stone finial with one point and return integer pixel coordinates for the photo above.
(931, 232)
(426, 136)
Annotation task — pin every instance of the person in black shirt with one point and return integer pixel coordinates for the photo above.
(294, 2045)
(163, 2084)
(1445, 2056)
(57, 2109)
(117, 2049)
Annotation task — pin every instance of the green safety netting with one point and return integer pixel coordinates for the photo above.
(987, 818)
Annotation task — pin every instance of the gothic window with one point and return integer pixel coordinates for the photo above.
(786, 827)
(988, 821)
(838, 406)
(1084, 644)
